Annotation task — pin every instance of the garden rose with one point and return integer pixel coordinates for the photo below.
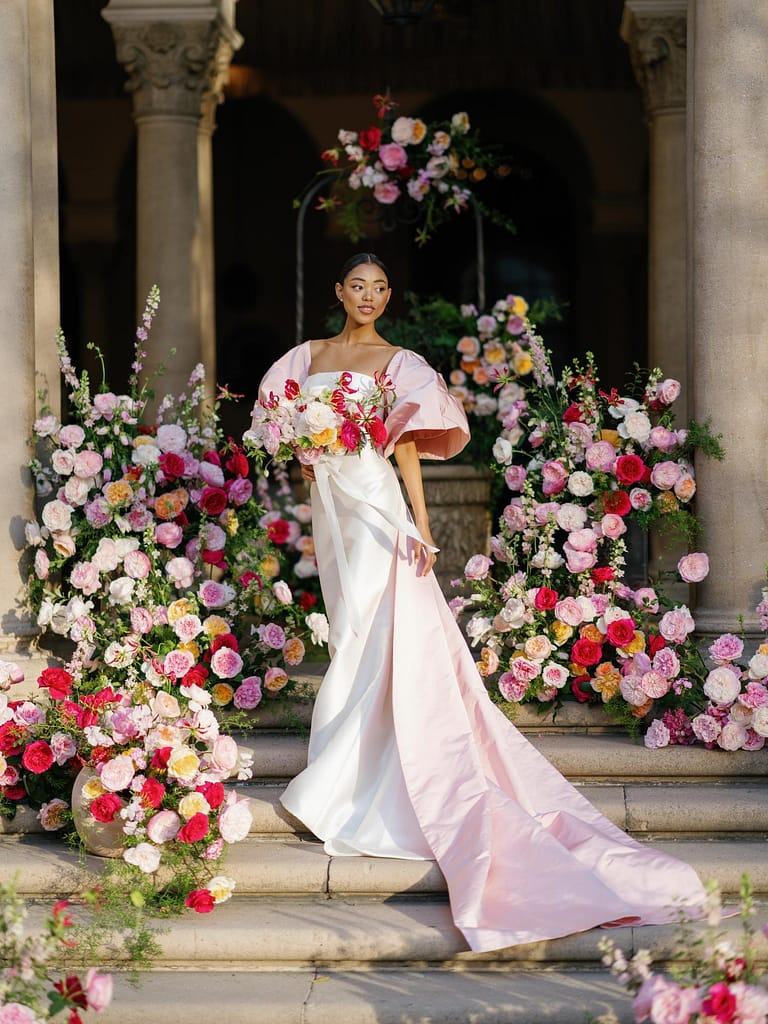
(554, 476)
(693, 568)
(569, 611)
(171, 437)
(706, 728)
(117, 774)
(640, 499)
(600, 456)
(53, 814)
(63, 747)
(200, 900)
(665, 475)
(248, 694)
(163, 826)
(226, 663)
(224, 755)
(657, 735)
(56, 515)
(477, 567)
(676, 624)
(87, 464)
(168, 534)
(71, 436)
(725, 648)
(654, 684)
(580, 484)
(732, 736)
(662, 439)
(668, 391)
(665, 1002)
(215, 595)
(145, 857)
(37, 757)
(181, 571)
(105, 807)
(722, 686)
(137, 565)
(621, 632)
(98, 990)
(586, 652)
(62, 462)
(613, 526)
(514, 477)
(184, 764)
(636, 426)
(213, 501)
(57, 681)
(195, 829)
(121, 590)
(392, 156)
(235, 819)
(555, 675)
(760, 720)
(386, 192)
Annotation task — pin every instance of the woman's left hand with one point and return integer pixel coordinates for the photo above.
(423, 558)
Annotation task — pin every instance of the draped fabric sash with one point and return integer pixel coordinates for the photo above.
(329, 477)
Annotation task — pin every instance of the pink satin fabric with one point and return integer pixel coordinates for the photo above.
(408, 756)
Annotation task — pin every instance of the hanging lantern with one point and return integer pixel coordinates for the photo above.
(402, 12)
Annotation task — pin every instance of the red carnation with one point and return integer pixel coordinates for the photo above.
(629, 469)
(37, 757)
(152, 793)
(370, 138)
(545, 599)
(58, 682)
(212, 457)
(621, 632)
(376, 430)
(602, 574)
(237, 463)
(656, 643)
(200, 900)
(213, 500)
(581, 695)
(161, 756)
(307, 601)
(172, 465)
(616, 502)
(572, 414)
(213, 793)
(195, 829)
(195, 677)
(278, 531)
(224, 640)
(586, 652)
(106, 806)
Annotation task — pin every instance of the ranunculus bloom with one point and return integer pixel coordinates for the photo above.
(693, 568)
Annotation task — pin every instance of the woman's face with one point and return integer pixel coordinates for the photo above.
(364, 293)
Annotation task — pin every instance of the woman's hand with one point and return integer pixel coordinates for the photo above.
(424, 559)
(308, 473)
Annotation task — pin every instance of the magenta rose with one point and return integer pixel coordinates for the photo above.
(693, 568)
(248, 694)
(37, 757)
(195, 829)
(200, 900)
(511, 688)
(392, 156)
(273, 636)
(554, 476)
(105, 807)
(640, 499)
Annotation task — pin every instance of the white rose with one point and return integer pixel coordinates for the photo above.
(555, 675)
(722, 686)
(145, 857)
(121, 590)
(571, 517)
(57, 515)
(145, 455)
(76, 490)
(402, 130)
(637, 426)
(758, 666)
(760, 720)
(171, 438)
(125, 544)
(485, 405)
(63, 461)
(547, 558)
(589, 612)
(317, 624)
(502, 451)
(580, 484)
(478, 627)
(513, 613)
(33, 533)
(319, 417)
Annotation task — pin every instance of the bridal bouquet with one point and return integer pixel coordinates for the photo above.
(320, 420)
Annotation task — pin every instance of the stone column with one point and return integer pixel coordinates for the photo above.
(655, 31)
(29, 284)
(728, 265)
(176, 54)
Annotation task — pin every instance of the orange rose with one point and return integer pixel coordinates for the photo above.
(293, 652)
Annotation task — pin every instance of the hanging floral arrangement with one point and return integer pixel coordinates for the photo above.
(405, 169)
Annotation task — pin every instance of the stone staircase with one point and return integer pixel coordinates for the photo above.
(312, 939)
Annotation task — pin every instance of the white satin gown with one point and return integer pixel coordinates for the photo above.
(408, 756)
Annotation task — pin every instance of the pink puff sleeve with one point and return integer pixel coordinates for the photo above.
(294, 365)
(425, 409)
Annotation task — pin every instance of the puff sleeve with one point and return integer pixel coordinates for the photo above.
(294, 365)
(424, 408)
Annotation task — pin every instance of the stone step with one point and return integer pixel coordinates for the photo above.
(278, 933)
(315, 996)
(599, 757)
(45, 867)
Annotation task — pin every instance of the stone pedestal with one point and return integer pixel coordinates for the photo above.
(176, 56)
(728, 261)
(29, 284)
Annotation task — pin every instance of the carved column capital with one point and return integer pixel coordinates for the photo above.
(176, 63)
(655, 31)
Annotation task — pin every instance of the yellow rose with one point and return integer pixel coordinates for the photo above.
(560, 632)
(522, 363)
(591, 632)
(183, 764)
(231, 523)
(763, 649)
(269, 566)
(222, 694)
(178, 609)
(418, 131)
(327, 436)
(494, 353)
(611, 436)
(192, 647)
(143, 439)
(118, 493)
(667, 502)
(193, 803)
(635, 645)
(93, 788)
(214, 625)
(519, 306)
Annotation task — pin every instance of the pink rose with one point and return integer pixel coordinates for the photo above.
(511, 688)
(601, 456)
(226, 663)
(163, 826)
(525, 670)
(477, 567)
(665, 1002)
(569, 611)
(386, 192)
(177, 663)
(71, 436)
(706, 728)
(579, 561)
(141, 620)
(88, 464)
(582, 540)
(98, 990)
(693, 568)
(240, 490)
(282, 592)
(62, 462)
(98, 512)
(85, 577)
(545, 510)
(727, 647)
(640, 499)
(668, 391)
(676, 624)
(732, 736)
(42, 564)
(555, 675)
(273, 636)
(224, 755)
(657, 735)
(171, 438)
(663, 439)
(514, 477)
(182, 572)
(117, 773)
(248, 693)
(63, 747)
(137, 565)
(187, 627)
(755, 696)
(57, 515)
(215, 595)
(554, 476)
(235, 819)
(392, 156)
(105, 404)
(647, 598)
(168, 534)
(654, 684)
(665, 475)
(17, 1013)
(666, 662)
(213, 475)
(514, 517)
(722, 686)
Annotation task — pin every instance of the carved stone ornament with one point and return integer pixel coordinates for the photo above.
(657, 46)
(177, 67)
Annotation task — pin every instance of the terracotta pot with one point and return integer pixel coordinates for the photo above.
(104, 838)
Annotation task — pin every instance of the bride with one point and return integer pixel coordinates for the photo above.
(408, 756)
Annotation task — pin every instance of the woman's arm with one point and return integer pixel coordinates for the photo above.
(407, 459)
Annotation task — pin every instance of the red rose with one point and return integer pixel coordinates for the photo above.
(212, 457)
(545, 599)
(307, 600)
(602, 574)
(13, 792)
(181, 520)
(292, 389)
(370, 138)
(152, 793)
(213, 793)
(621, 632)
(616, 502)
(656, 643)
(12, 738)
(195, 829)
(572, 414)
(224, 640)
(278, 531)
(37, 757)
(581, 695)
(172, 465)
(376, 430)
(99, 755)
(106, 806)
(161, 756)
(629, 469)
(586, 652)
(57, 680)
(195, 677)
(200, 900)
(720, 1003)
(237, 463)
(213, 500)
(248, 577)
(214, 558)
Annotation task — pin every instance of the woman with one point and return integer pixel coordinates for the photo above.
(408, 757)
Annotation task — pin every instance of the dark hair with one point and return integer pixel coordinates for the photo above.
(358, 260)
